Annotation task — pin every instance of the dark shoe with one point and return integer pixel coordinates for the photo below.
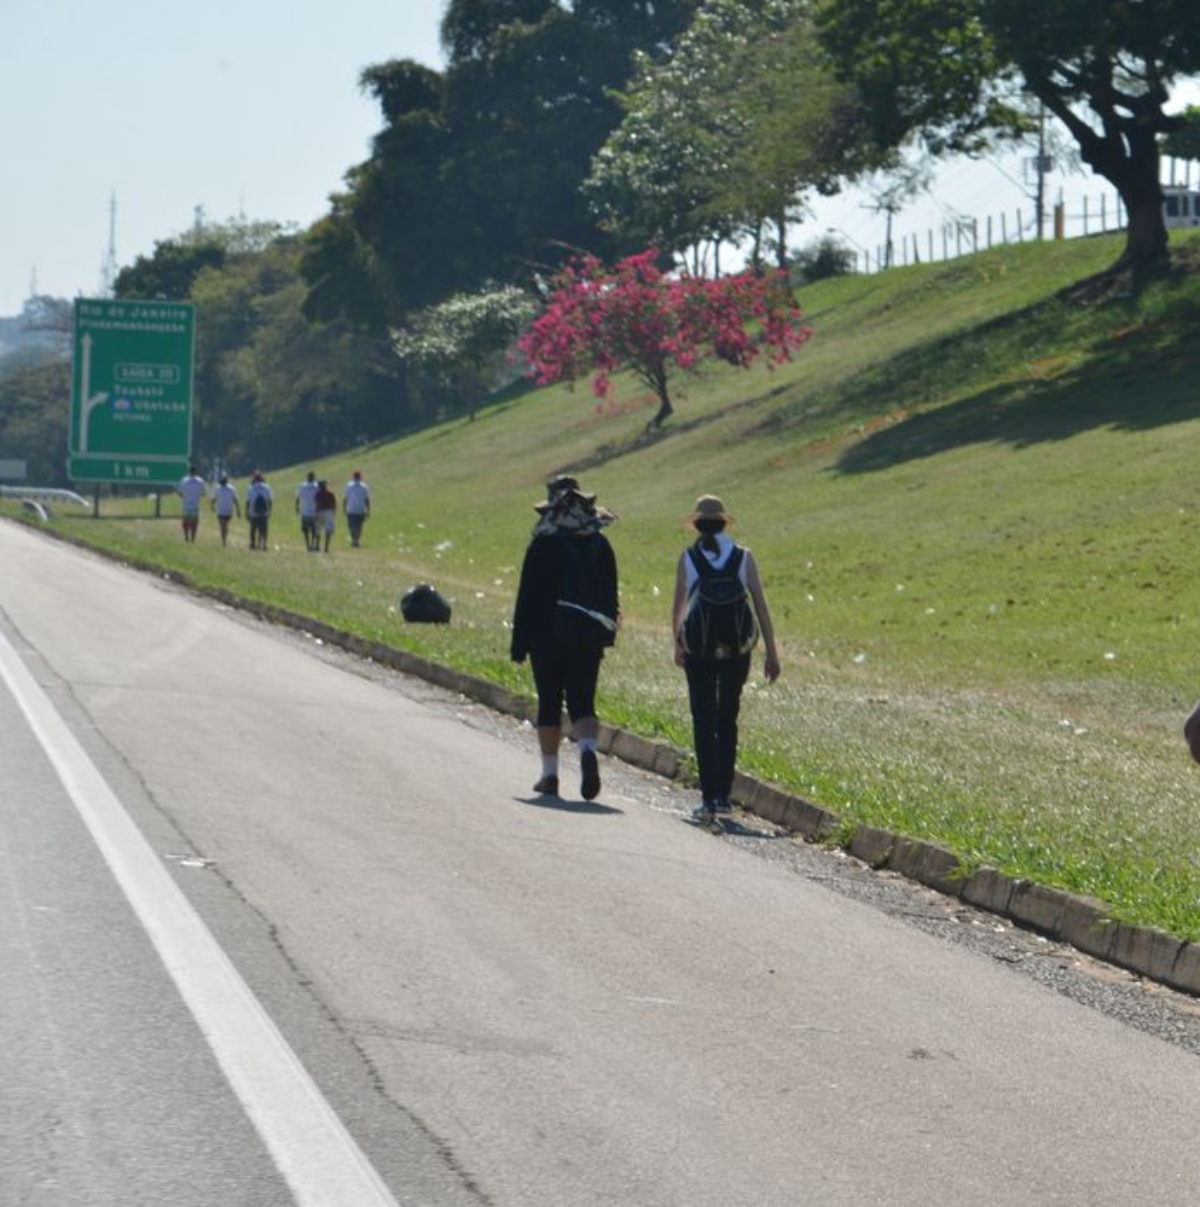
(722, 805)
(705, 811)
(589, 785)
(547, 785)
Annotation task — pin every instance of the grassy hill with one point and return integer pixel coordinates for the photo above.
(974, 498)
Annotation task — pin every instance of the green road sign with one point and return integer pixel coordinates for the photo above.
(131, 392)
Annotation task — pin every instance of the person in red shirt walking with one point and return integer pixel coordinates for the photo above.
(326, 502)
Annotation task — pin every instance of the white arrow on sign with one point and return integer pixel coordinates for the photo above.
(88, 401)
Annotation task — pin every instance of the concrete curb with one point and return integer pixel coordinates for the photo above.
(1082, 922)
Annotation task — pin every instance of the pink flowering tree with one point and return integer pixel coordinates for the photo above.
(636, 317)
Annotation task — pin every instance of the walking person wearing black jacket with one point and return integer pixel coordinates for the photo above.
(566, 615)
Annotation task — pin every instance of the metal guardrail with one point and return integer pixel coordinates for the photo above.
(35, 498)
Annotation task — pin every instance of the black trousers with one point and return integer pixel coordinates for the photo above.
(715, 695)
(560, 674)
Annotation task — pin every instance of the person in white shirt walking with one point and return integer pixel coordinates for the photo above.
(306, 508)
(356, 502)
(191, 490)
(225, 504)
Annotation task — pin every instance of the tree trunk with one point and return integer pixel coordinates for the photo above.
(781, 251)
(1125, 153)
(1146, 236)
(665, 409)
(658, 383)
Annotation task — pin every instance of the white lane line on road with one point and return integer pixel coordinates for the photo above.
(315, 1154)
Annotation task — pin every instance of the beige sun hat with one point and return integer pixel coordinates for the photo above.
(709, 507)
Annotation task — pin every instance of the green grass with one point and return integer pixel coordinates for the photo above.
(974, 499)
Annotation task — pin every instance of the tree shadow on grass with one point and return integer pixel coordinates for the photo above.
(1136, 375)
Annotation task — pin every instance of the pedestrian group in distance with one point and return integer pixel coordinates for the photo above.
(314, 502)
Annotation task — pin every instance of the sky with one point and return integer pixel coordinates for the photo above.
(242, 107)
(252, 108)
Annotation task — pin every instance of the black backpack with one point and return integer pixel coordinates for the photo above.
(719, 621)
(260, 503)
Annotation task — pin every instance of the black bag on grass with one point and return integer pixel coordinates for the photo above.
(425, 604)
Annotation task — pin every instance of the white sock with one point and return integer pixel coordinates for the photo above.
(587, 744)
(549, 764)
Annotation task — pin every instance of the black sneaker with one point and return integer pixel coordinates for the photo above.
(547, 785)
(722, 805)
(589, 784)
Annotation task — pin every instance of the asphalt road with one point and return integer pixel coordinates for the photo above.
(279, 926)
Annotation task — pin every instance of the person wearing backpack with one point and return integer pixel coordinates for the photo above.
(258, 510)
(566, 616)
(718, 614)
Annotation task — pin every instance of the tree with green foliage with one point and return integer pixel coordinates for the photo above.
(949, 69)
(826, 257)
(169, 272)
(172, 268)
(34, 417)
(470, 26)
(731, 131)
(460, 350)
(271, 386)
(1184, 142)
(476, 175)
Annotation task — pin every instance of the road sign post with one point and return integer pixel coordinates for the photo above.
(131, 392)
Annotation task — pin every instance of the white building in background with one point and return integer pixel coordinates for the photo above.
(1181, 206)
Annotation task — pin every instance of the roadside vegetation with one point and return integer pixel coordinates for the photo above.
(974, 498)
